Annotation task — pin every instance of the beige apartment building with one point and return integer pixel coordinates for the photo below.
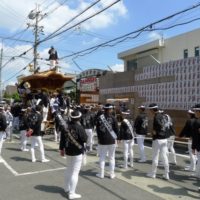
(165, 71)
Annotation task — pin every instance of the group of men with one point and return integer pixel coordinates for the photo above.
(76, 126)
(110, 133)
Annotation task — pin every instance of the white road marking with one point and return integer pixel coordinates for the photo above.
(15, 173)
(52, 145)
(9, 167)
(42, 171)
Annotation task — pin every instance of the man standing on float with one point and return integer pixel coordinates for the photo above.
(53, 57)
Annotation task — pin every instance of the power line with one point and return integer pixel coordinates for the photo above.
(91, 16)
(51, 2)
(53, 10)
(18, 72)
(11, 11)
(52, 35)
(137, 32)
(15, 39)
(133, 37)
(133, 32)
(13, 58)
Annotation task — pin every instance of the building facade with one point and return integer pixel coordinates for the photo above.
(88, 86)
(166, 72)
(11, 89)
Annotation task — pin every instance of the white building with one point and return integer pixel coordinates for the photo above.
(162, 51)
(166, 72)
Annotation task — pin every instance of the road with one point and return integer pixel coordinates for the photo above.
(23, 180)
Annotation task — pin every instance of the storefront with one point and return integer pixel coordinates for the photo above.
(88, 86)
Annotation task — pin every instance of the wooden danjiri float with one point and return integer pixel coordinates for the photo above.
(48, 82)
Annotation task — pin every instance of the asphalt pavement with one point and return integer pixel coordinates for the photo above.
(23, 180)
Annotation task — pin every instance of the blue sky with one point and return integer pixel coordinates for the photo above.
(120, 19)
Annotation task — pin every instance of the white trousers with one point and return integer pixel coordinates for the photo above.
(37, 140)
(52, 64)
(90, 135)
(72, 172)
(198, 165)
(109, 150)
(45, 113)
(2, 136)
(170, 146)
(23, 139)
(193, 158)
(56, 135)
(128, 152)
(9, 131)
(160, 146)
(140, 142)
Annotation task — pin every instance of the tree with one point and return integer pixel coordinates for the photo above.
(16, 97)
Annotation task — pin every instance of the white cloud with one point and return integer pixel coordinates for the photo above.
(14, 17)
(21, 9)
(14, 67)
(13, 14)
(119, 7)
(117, 67)
(154, 36)
(91, 42)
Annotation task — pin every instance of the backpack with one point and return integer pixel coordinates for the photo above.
(144, 124)
(32, 119)
(167, 125)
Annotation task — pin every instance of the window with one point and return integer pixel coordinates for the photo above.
(185, 53)
(131, 65)
(196, 51)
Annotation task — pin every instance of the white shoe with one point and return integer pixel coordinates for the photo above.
(189, 169)
(33, 160)
(151, 175)
(166, 176)
(25, 150)
(195, 175)
(100, 175)
(112, 176)
(131, 165)
(45, 160)
(74, 196)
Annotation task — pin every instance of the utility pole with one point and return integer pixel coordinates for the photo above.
(36, 39)
(1, 58)
(35, 15)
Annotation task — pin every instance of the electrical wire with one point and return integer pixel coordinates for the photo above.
(13, 58)
(52, 35)
(53, 10)
(13, 76)
(15, 39)
(51, 2)
(11, 11)
(133, 37)
(56, 30)
(128, 34)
